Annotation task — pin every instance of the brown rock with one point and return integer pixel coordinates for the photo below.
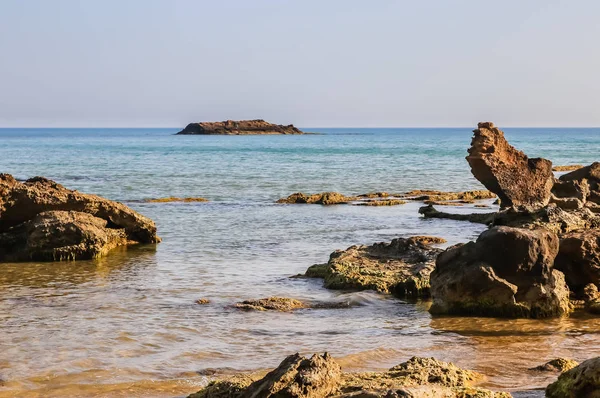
(583, 381)
(557, 365)
(579, 258)
(323, 198)
(570, 167)
(42, 220)
(482, 218)
(517, 180)
(507, 272)
(241, 127)
(379, 202)
(401, 267)
(442, 196)
(590, 173)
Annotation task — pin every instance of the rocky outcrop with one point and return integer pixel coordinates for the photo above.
(321, 377)
(285, 304)
(569, 167)
(507, 272)
(579, 258)
(400, 267)
(481, 218)
(241, 127)
(323, 198)
(519, 181)
(43, 221)
(557, 365)
(442, 196)
(579, 382)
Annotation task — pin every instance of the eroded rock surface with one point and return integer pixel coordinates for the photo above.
(583, 381)
(323, 198)
(43, 221)
(507, 272)
(321, 377)
(557, 365)
(579, 258)
(240, 127)
(518, 180)
(400, 267)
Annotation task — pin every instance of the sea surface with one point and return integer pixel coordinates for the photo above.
(128, 326)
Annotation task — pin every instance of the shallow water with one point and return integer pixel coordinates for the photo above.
(128, 325)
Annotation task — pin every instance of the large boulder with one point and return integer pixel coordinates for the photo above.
(400, 267)
(42, 220)
(517, 180)
(507, 272)
(583, 381)
(579, 258)
(239, 127)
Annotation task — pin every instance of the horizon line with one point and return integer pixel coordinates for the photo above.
(300, 127)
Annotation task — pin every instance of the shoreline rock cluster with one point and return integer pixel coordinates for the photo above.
(41, 220)
(320, 376)
(239, 127)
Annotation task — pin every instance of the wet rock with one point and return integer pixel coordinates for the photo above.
(579, 258)
(583, 381)
(43, 221)
(591, 298)
(323, 198)
(241, 127)
(372, 195)
(286, 304)
(570, 167)
(507, 272)
(519, 181)
(175, 199)
(203, 301)
(482, 218)
(321, 377)
(439, 196)
(557, 365)
(400, 267)
(391, 202)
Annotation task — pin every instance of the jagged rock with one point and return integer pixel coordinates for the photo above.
(323, 198)
(591, 298)
(551, 217)
(321, 377)
(517, 180)
(401, 267)
(507, 272)
(42, 220)
(579, 258)
(439, 196)
(590, 173)
(557, 365)
(241, 127)
(583, 381)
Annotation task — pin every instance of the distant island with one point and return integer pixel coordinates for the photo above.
(239, 127)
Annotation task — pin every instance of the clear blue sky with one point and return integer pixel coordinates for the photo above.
(307, 62)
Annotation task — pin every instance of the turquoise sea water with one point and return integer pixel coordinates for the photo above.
(131, 318)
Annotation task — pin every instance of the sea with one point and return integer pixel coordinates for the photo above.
(128, 325)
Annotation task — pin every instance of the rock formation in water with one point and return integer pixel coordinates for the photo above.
(517, 180)
(507, 272)
(582, 381)
(41, 220)
(241, 127)
(286, 304)
(400, 267)
(321, 377)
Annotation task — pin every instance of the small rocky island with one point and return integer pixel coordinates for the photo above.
(240, 127)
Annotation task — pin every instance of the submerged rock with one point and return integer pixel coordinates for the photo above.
(372, 202)
(557, 365)
(400, 267)
(286, 304)
(481, 218)
(518, 181)
(441, 196)
(321, 377)
(583, 381)
(241, 127)
(507, 272)
(175, 199)
(43, 221)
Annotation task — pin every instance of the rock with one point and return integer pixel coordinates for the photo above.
(583, 381)
(175, 199)
(321, 377)
(579, 258)
(323, 198)
(401, 267)
(241, 127)
(591, 298)
(372, 195)
(203, 301)
(517, 180)
(441, 196)
(567, 167)
(286, 304)
(482, 218)
(557, 365)
(590, 173)
(373, 202)
(43, 221)
(299, 377)
(507, 272)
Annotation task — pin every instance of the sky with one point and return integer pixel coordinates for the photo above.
(313, 63)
